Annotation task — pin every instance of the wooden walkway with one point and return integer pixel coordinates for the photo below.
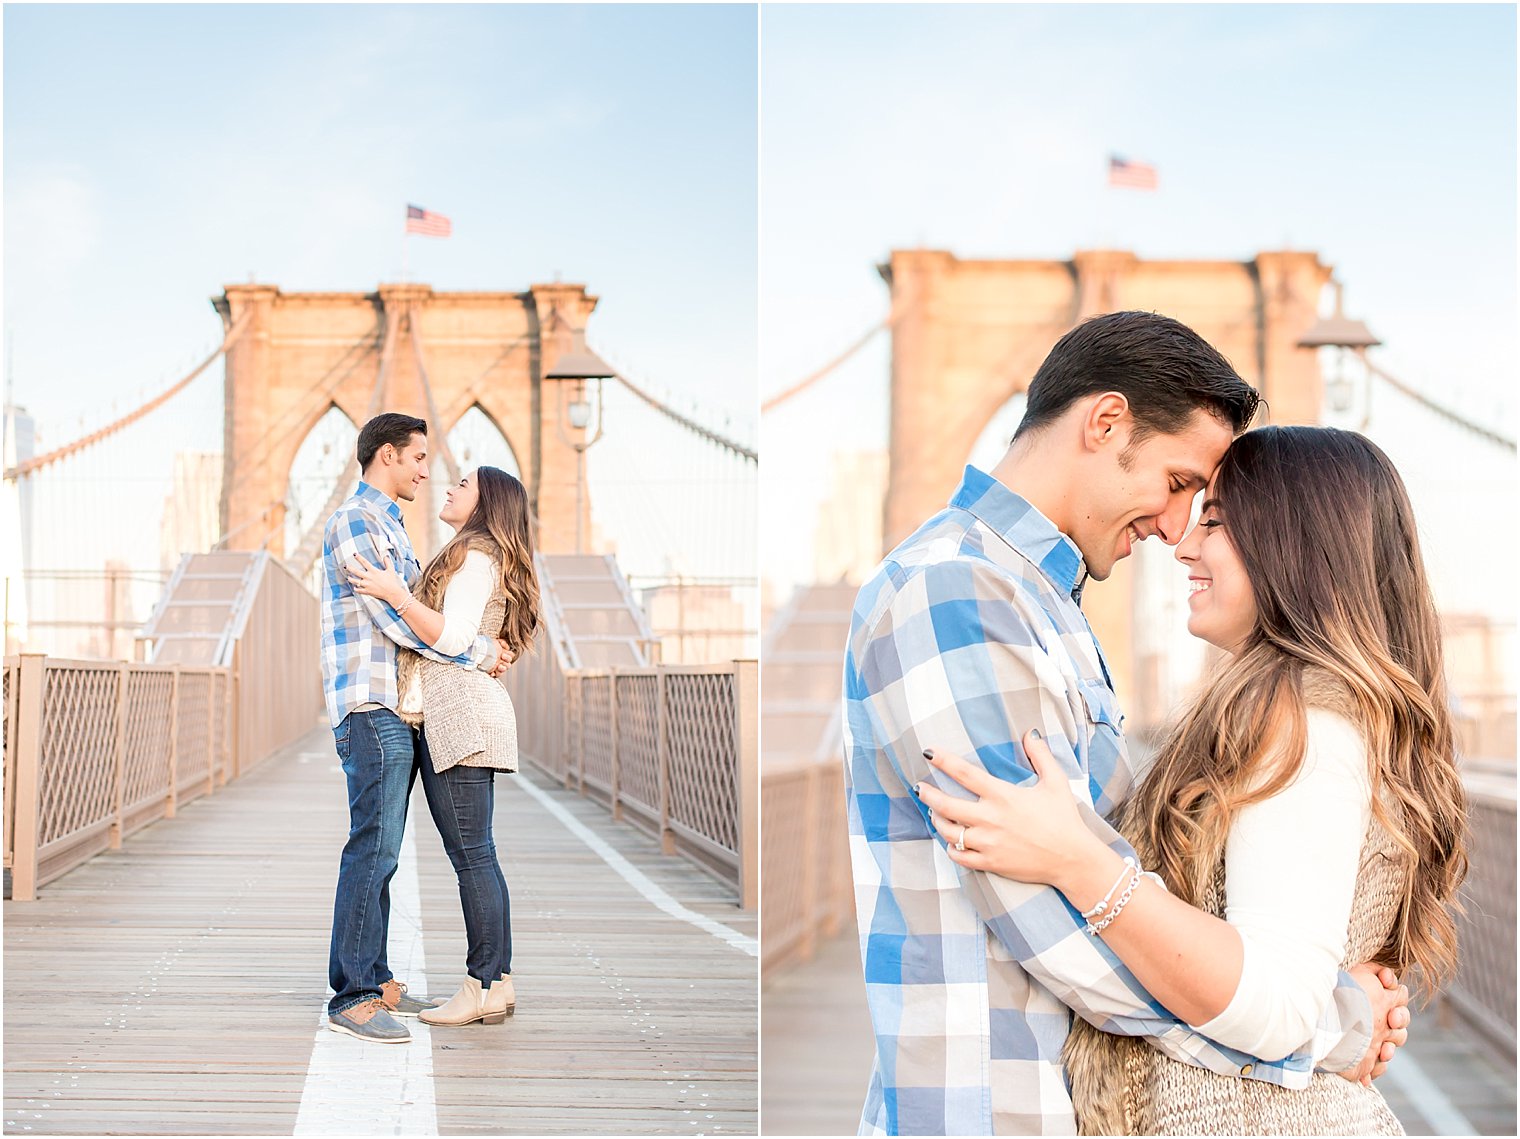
(177, 986)
(818, 1055)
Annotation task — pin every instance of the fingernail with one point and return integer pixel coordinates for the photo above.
(928, 753)
(916, 786)
(1035, 732)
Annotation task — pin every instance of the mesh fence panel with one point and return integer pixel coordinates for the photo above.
(1484, 988)
(703, 758)
(77, 765)
(638, 709)
(145, 768)
(596, 727)
(193, 739)
(9, 692)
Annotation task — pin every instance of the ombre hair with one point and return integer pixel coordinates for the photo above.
(502, 525)
(1345, 620)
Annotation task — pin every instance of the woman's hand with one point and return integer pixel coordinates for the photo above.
(1030, 832)
(382, 582)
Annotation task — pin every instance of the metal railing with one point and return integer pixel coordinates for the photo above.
(671, 749)
(809, 894)
(95, 750)
(1483, 992)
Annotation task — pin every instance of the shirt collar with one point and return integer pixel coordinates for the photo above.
(384, 501)
(1013, 519)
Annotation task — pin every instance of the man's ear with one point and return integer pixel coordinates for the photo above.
(1107, 421)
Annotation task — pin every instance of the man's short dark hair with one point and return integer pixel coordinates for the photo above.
(388, 427)
(1165, 369)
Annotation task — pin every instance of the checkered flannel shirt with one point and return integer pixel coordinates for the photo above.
(360, 633)
(969, 634)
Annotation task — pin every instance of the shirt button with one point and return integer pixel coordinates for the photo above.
(1246, 1071)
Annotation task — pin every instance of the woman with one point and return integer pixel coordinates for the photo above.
(482, 581)
(1309, 796)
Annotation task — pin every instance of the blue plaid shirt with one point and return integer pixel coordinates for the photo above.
(360, 634)
(969, 634)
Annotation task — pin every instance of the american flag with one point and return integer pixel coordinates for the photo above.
(1133, 175)
(419, 220)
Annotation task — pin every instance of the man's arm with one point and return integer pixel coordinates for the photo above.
(954, 663)
(354, 533)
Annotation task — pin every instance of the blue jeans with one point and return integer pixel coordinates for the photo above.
(462, 801)
(378, 754)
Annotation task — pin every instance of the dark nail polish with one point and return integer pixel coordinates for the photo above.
(928, 753)
(1035, 732)
(915, 790)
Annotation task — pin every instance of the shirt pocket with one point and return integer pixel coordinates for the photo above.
(1108, 771)
(1101, 706)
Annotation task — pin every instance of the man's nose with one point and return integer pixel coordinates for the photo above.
(1171, 525)
(1187, 549)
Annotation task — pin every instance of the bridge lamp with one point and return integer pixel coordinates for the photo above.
(1340, 332)
(575, 366)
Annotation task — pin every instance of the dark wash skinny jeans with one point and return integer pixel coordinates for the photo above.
(462, 801)
(379, 756)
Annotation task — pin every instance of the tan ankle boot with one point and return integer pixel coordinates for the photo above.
(464, 1007)
(500, 1000)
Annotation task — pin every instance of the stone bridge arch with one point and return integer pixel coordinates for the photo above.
(305, 352)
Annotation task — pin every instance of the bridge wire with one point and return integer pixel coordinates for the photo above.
(1432, 406)
(367, 344)
(901, 306)
(305, 554)
(690, 424)
(22, 470)
(471, 398)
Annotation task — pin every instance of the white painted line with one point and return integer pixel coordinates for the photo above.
(354, 1087)
(1444, 1117)
(636, 877)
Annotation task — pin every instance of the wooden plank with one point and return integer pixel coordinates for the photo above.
(173, 986)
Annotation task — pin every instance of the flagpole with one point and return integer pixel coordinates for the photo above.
(405, 246)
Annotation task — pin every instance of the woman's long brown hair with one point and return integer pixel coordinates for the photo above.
(1323, 525)
(501, 522)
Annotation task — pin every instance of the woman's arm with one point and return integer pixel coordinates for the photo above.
(1291, 869)
(464, 600)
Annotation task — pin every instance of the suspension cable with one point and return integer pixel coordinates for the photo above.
(899, 309)
(691, 425)
(302, 558)
(22, 470)
(1432, 406)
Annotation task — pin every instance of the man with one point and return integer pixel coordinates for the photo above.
(360, 635)
(971, 633)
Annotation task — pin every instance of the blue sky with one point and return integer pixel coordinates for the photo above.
(1382, 137)
(154, 154)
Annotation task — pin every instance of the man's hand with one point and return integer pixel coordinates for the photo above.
(1390, 1020)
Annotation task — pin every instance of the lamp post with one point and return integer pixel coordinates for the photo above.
(576, 365)
(1340, 332)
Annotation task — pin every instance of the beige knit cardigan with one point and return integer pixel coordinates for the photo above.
(1120, 1085)
(467, 716)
